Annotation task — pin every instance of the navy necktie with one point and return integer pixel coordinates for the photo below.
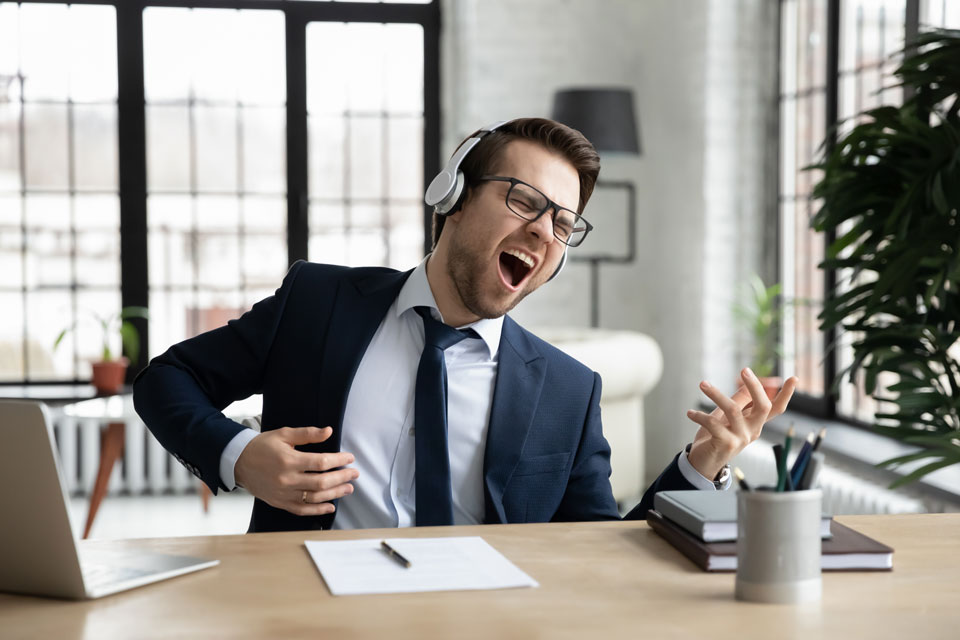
(434, 501)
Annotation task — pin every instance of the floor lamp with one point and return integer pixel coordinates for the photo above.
(606, 117)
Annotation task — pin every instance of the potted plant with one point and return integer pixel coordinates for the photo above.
(890, 190)
(109, 371)
(760, 311)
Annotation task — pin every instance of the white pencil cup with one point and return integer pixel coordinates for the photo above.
(778, 546)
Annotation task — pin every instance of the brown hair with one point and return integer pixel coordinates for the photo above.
(570, 143)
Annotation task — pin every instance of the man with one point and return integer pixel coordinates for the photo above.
(517, 434)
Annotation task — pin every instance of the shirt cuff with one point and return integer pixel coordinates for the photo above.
(231, 453)
(694, 477)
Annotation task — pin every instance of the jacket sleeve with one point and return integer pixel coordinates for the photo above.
(181, 394)
(670, 479)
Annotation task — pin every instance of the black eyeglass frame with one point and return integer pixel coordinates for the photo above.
(551, 205)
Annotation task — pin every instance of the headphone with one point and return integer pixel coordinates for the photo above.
(445, 192)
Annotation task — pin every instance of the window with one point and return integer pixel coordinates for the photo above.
(819, 86)
(59, 200)
(182, 157)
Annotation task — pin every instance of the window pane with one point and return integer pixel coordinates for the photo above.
(9, 142)
(67, 262)
(11, 333)
(166, 67)
(95, 147)
(45, 139)
(327, 156)
(405, 149)
(215, 131)
(92, 53)
(11, 247)
(264, 150)
(802, 108)
(366, 137)
(216, 89)
(366, 141)
(168, 148)
(45, 65)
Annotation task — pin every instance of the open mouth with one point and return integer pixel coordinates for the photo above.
(513, 270)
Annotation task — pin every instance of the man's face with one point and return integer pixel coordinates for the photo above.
(495, 257)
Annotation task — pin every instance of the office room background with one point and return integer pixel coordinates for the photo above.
(274, 130)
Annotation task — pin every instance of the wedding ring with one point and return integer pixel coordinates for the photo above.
(303, 498)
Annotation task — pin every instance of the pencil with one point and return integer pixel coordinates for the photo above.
(741, 480)
(812, 472)
(801, 462)
(782, 478)
(816, 444)
(778, 457)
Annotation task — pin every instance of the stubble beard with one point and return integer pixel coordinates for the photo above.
(465, 267)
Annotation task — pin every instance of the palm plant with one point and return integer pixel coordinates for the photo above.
(890, 190)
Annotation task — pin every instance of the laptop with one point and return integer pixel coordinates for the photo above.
(38, 553)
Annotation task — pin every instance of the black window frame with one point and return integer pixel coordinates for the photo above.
(131, 126)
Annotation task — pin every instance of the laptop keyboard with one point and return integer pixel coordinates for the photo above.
(96, 574)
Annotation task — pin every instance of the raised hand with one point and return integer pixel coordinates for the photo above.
(736, 422)
(302, 483)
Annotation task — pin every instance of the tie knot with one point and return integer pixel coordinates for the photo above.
(438, 334)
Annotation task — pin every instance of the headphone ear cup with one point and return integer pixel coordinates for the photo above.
(449, 204)
(563, 262)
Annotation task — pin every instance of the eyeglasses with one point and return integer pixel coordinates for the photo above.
(529, 203)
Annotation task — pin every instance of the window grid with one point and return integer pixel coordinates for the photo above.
(29, 345)
(133, 217)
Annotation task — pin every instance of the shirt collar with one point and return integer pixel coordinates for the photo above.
(416, 292)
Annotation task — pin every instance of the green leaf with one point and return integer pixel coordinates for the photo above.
(131, 340)
(924, 470)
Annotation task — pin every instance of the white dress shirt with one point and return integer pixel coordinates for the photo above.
(378, 418)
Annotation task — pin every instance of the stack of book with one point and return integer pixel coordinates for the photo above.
(703, 526)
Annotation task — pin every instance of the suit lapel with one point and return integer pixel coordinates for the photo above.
(520, 374)
(361, 302)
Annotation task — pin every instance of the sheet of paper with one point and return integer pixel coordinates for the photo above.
(352, 567)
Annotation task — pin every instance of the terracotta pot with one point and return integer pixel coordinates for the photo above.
(108, 376)
(771, 385)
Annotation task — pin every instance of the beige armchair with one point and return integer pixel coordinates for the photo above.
(630, 364)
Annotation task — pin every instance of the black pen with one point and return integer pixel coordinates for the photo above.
(390, 551)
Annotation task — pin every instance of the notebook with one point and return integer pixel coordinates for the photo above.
(38, 552)
(846, 550)
(709, 515)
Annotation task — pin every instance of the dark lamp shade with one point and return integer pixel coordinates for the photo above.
(604, 116)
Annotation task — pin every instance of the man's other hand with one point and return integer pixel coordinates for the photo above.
(735, 423)
(302, 483)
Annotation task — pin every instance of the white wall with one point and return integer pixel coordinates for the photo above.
(504, 59)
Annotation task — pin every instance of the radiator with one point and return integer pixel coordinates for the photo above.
(844, 492)
(144, 468)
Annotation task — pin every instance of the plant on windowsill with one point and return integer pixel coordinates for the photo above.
(109, 371)
(760, 311)
(890, 190)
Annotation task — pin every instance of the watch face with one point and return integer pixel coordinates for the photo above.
(722, 476)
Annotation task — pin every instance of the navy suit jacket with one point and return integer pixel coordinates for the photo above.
(546, 458)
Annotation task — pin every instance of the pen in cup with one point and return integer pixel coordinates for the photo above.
(390, 551)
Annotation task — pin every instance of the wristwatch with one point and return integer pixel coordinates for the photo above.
(720, 480)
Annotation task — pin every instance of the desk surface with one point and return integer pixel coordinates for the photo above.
(598, 580)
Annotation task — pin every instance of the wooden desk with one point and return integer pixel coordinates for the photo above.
(598, 580)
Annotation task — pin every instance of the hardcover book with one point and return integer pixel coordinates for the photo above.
(846, 550)
(709, 515)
